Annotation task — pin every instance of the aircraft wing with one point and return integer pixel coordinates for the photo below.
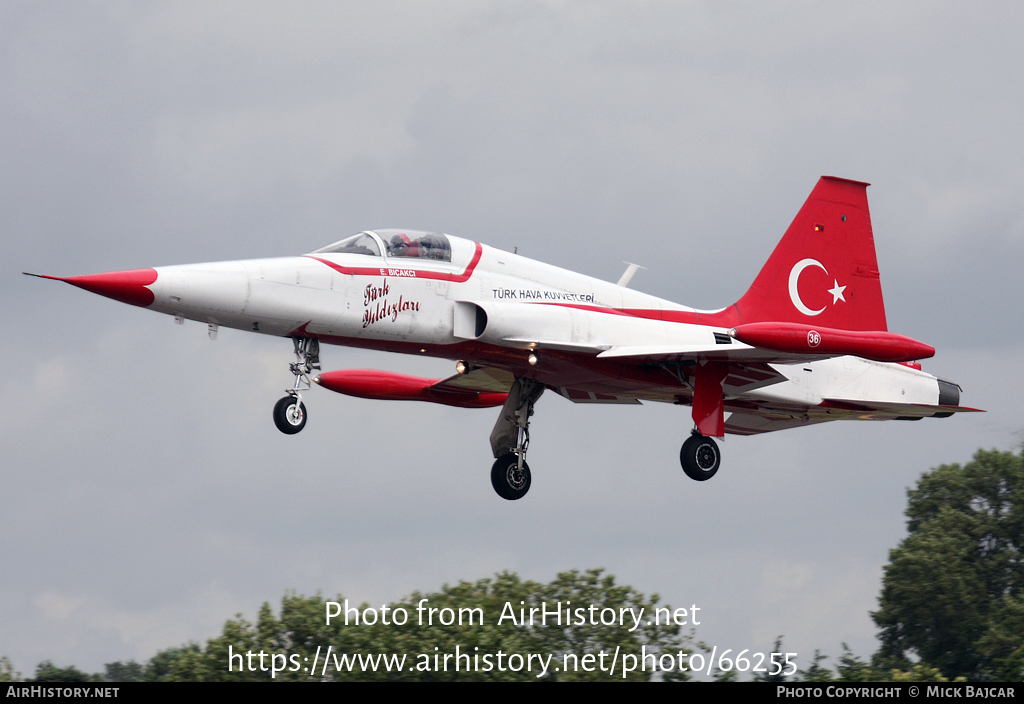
(749, 368)
(722, 352)
(564, 346)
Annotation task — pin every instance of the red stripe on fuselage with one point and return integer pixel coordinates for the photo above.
(411, 273)
(728, 317)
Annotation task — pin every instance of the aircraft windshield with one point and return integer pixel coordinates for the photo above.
(356, 244)
(422, 245)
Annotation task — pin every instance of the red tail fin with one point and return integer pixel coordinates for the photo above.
(824, 271)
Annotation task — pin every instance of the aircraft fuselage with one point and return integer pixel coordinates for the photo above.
(807, 343)
(410, 306)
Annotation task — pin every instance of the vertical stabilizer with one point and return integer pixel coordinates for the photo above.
(824, 271)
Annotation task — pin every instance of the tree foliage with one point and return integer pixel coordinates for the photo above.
(46, 671)
(7, 671)
(130, 671)
(816, 672)
(953, 591)
(773, 673)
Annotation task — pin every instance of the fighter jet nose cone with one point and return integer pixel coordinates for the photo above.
(124, 286)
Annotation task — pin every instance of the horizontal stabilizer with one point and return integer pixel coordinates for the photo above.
(879, 410)
(769, 419)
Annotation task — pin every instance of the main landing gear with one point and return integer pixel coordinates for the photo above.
(700, 457)
(290, 411)
(508, 478)
(510, 475)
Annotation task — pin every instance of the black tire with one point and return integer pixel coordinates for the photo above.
(700, 457)
(284, 416)
(506, 478)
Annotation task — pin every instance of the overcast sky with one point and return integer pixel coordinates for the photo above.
(145, 494)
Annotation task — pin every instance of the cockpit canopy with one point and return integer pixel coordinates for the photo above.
(362, 243)
(396, 243)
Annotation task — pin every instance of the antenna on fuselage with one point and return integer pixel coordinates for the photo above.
(627, 275)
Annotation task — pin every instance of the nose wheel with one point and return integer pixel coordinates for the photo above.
(290, 411)
(290, 415)
(700, 457)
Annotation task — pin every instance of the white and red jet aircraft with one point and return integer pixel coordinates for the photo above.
(807, 343)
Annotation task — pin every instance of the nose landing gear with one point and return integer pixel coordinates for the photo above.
(290, 415)
(290, 412)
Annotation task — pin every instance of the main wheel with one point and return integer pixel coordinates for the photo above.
(700, 457)
(290, 415)
(507, 480)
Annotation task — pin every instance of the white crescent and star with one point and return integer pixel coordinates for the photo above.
(794, 293)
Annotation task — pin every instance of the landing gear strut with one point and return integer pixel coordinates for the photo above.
(510, 475)
(290, 412)
(700, 457)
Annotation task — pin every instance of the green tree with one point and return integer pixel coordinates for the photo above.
(130, 671)
(300, 633)
(775, 668)
(918, 673)
(816, 672)
(851, 668)
(1003, 642)
(732, 675)
(952, 591)
(7, 671)
(46, 671)
(160, 666)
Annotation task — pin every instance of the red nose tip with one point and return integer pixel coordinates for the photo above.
(124, 286)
